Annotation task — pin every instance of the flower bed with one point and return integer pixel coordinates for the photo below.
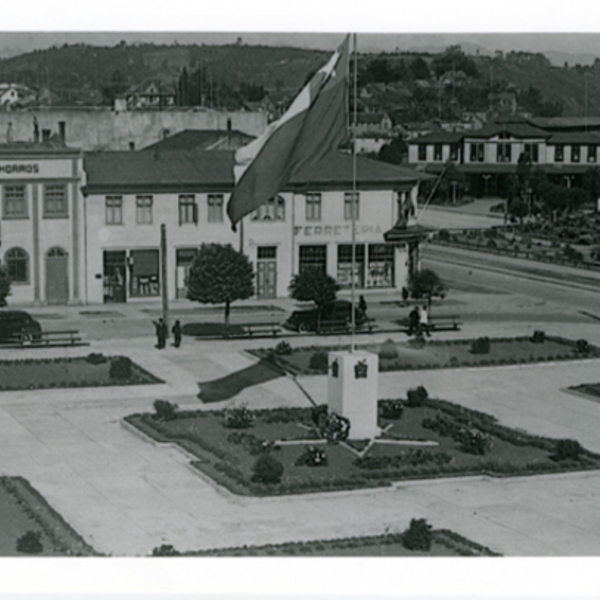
(23, 510)
(589, 389)
(410, 447)
(95, 370)
(439, 354)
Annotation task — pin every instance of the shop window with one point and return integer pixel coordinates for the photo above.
(422, 151)
(17, 265)
(313, 207)
(215, 208)
(55, 201)
(380, 269)
(188, 210)
(143, 210)
(15, 202)
(559, 153)
(114, 210)
(348, 205)
(272, 210)
(144, 266)
(575, 153)
(313, 257)
(344, 271)
(592, 153)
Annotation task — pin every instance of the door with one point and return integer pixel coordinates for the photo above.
(57, 276)
(115, 276)
(266, 272)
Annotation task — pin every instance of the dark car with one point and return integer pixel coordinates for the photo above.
(18, 326)
(336, 315)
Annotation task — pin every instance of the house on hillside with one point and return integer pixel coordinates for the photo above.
(151, 94)
(13, 95)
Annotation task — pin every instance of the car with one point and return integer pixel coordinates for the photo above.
(18, 326)
(336, 315)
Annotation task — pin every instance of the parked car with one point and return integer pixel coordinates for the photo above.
(18, 325)
(335, 315)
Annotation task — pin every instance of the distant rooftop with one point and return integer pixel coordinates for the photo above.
(54, 146)
(202, 139)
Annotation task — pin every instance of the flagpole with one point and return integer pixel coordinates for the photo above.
(354, 203)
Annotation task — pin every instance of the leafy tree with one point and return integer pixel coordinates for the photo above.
(454, 59)
(518, 208)
(394, 152)
(418, 536)
(419, 69)
(5, 282)
(426, 283)
(313, 285)
(220, 274)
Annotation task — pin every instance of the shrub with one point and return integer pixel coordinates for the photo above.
(238, 418)
(334, 428)
(165, 411)
(313, 456)
(538, 337)
(388, 350)
(582, 346)
(491, 243)
(95, 358)
(283, 348)
(267, 469)
(416, 396)
(472, 441)
(120, 368)
(567, 450)
(165, 550)
(391, 409)
(318, 361)
(480, 346)
(418, 536)
(30, 543)
(443, 235)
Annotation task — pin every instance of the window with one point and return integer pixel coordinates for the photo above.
(380, 270)
(344, 272)
(422, 151)
(348, 203)
(55, 201)
(476, 152)
(313, 207)
(188, 210)
(272, 210)
(17, 265)
(532, 151)
(313, 257)
(454, 151)
(144, 273)
(215, 208)
(143, 210)
(15, 202)
(592, 153)
(575, 153)
(437, 152)
(503, 153)
(114, 210)
(266, 252)
(559, 153)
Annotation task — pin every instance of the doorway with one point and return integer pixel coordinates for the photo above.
(57, 276)
(266, 272)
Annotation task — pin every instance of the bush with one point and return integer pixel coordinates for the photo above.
(238, 418)
(443, 235)
(472, 441)
(418, 536)
(319, 361)
(334, 428)
(480, 346)
(30, 543)
(388, 350)
(583, 346)
(95, 358)
(267, 469)
(538, 337)
(120, 368)
(165, 550)
(165, 411)
(567, 450)
(313, 456)
(391, 409)
(283, 349)
(417, 396)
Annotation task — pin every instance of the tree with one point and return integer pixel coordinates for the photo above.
(426, 283)
(394, 152)
(517, 208)
(313, 285)
(220, 274)
(419, 69)
(5, 282)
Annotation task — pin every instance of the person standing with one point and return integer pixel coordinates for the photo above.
(362, 305)
(413, 322)
(176, 331)
(161, 336)
(404, 296)
(424, 320)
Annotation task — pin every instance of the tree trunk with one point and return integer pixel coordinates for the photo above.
(227, 311)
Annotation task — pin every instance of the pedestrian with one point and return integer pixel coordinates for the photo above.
(413, 321)
(161, 337)
(176, 331)
(362, 305)
(404, 295)
(424, 321)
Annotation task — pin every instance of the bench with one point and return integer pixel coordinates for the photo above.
(444, 322)
(47, 339)
(245, 330)
(343, 326)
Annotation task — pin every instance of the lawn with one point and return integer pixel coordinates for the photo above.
(95, 370)
(589, 389)
(434, 439)
(400, 356)
(22, 509)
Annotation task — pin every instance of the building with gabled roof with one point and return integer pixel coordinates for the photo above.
(208, 140)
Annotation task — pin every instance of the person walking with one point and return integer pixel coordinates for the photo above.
(362, 305)
(404, 296)
(161, 336)
(413, 321)
(176, 331)
(424, 320)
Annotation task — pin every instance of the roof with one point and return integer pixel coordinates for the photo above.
(516, 130)
(53, 146)
(574, 137)
(195, 170)
(205, 139)
(557, 123)
(370, 117)
(439, 137)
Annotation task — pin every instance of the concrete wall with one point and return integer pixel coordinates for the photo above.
(106, 129)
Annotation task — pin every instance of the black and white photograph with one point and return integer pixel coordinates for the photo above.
(328, 291)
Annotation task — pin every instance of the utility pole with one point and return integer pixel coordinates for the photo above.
(163, 276)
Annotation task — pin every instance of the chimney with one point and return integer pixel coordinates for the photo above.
(228, 124)
(62, 131)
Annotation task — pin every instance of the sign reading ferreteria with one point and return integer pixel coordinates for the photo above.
(334, 230)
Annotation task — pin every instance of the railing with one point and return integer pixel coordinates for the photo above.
(44, 339)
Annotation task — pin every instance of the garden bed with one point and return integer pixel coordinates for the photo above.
(459, 442)
(588, 389)
(435, 354)
(95, 370)
(22, 509)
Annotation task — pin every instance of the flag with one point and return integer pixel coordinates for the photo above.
(314, 124)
